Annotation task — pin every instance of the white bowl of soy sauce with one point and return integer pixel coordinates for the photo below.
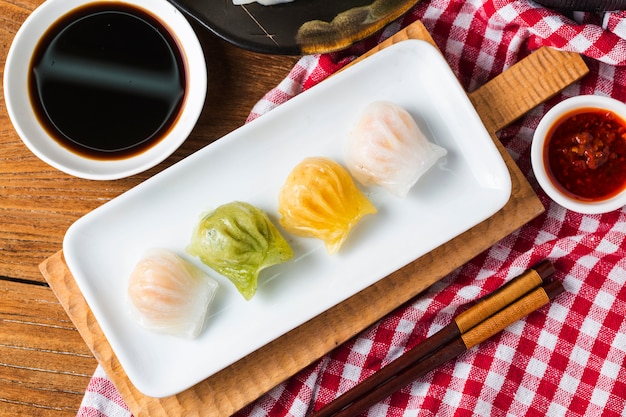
(105, 89)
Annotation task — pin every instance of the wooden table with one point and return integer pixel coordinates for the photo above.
(44, 364)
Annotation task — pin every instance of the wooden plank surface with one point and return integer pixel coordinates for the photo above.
(44, 363)
(37, 342)
(229, 390)
(38, 203)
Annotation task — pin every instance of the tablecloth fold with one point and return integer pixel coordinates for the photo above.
(567, 359)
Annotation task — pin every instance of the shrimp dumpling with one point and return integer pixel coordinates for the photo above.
(387, 148)
(169, 295)
(320, 199)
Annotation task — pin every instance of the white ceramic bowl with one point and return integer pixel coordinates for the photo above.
(45, 147)
(537, 153)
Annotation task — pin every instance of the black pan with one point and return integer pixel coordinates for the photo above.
(295, 28)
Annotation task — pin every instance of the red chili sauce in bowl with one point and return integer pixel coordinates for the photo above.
(585, 154)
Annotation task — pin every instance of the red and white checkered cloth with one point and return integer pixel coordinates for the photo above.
(567, 359)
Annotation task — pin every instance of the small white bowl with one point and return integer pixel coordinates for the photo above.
(537, 153)
(36, 138)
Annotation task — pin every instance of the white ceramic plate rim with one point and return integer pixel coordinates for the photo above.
(37, 139)
(466, 187)
(536, 156)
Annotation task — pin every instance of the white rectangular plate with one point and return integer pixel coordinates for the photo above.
(250, 164)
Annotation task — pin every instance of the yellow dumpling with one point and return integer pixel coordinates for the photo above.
(320, 199)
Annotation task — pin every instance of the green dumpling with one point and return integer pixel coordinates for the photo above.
(238, 240)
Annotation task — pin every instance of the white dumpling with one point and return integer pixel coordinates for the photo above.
(170, 295)
(387, 148)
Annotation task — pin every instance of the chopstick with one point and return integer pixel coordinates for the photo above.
(493, 313)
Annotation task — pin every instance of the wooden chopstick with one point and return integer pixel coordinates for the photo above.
(494, 324)
(502, 306)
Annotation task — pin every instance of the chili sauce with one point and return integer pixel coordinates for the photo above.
(585, 154)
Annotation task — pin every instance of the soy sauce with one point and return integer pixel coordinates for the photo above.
(107, 81)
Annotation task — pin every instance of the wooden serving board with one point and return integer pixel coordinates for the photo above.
(499, 102)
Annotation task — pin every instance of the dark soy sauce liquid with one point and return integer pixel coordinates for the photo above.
(107, 81)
